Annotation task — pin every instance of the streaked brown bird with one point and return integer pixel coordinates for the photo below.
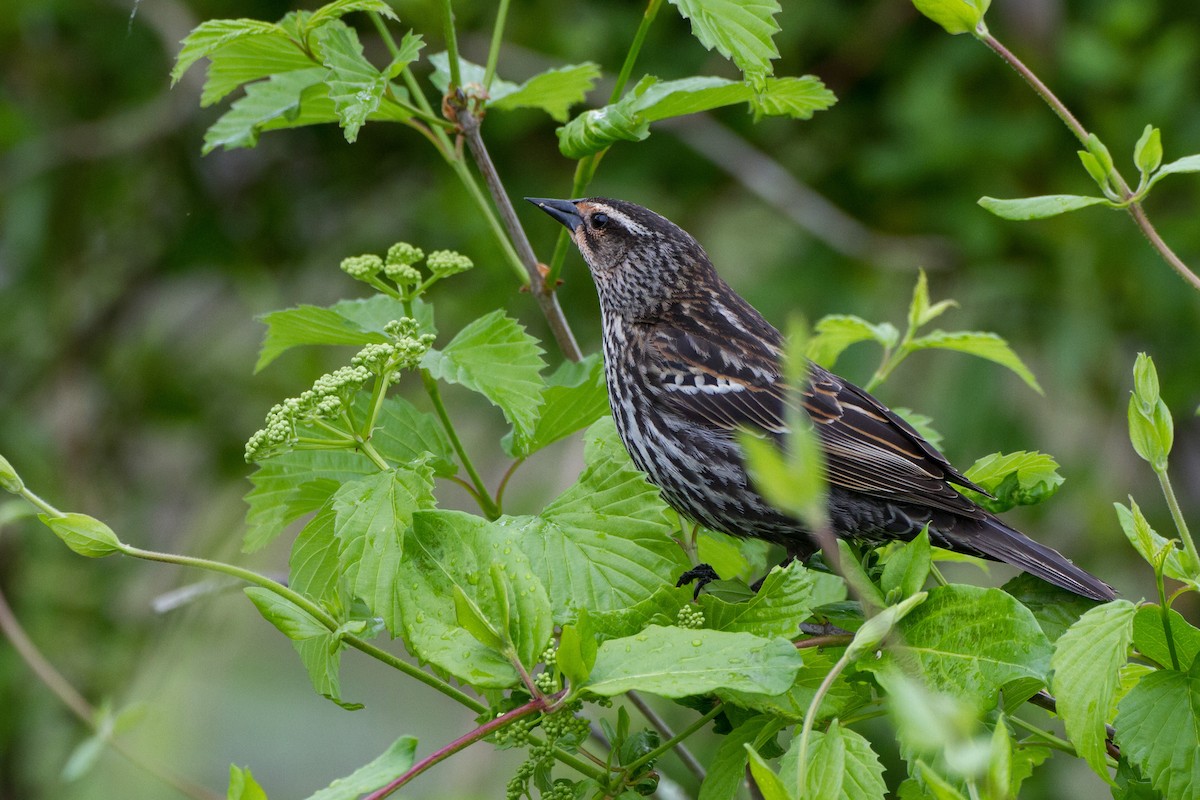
(689, 363)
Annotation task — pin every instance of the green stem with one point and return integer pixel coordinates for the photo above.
(489, 71)
(585, 169)
(1165, 613)
(810, 714)
(660, 725)
(1045, 737)
(451, 44)
(1176, 514)
(676, 739)
(486, 503)
(1063, 113)
(891, 360)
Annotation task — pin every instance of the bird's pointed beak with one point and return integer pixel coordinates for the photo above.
(562, 210)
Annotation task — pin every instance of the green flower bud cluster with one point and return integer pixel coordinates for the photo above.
(541, 757)
(515, 734)
(444, 263)
(398, 265)
(690, 617)
(565, 727)
(362, 267)
(562, 789)
(329, 396)
(547, 682)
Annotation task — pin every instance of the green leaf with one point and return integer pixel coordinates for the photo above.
(371, 515)
(403, 434)
(288, 486)
(313, 566)
(776, 609)
(840, 699)
(769, 784)
(1151, 430)
(908, 567)
(661, 607)
(242, 785)
(1151, 640)
(495, 357)
(938, 787)
(574, 398)
(249, 59)
(727, 767)
(577, 649)
(1147, 153)
(956, 16)
(1050, 205)
(382, 769)
(834, 333)
(10, 481)
(1094, 168)
(920, 311)
(355, 85)
(740, 30)
(1055, 609)
(1186, 164)
(350, 322)
(1158, 730)
(875, 629)
(448, 549)
(554, 91)
(676, 662)
(1014, 479)
(857, 579)
(984, 345)
(285, 100)
(339, 8)
(969, 642)
(604, 544)
(1149, 543)
(472, 619)
(215, 34)
(1085, 663)
(923, 423)
(85, 535)
(794, 97)
(841, 766)
(320, 649)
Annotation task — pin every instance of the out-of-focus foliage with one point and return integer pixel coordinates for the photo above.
(131, 269)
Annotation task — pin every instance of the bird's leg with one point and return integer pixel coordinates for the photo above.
(701, 574)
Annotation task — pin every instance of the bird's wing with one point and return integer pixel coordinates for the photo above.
(728, 381)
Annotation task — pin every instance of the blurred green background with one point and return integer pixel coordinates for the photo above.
(131, 270)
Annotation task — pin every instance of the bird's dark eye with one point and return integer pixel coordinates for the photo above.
(600, 221)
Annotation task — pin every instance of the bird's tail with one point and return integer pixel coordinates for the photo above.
(995, 540)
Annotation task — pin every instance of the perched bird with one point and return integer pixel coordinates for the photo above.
(689, 363)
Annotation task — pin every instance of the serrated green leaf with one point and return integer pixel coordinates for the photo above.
(292, 621)
(1085, 663)
(355, 85)
(604, 544)
(1013, 479)
(794, 97)
(1158, 730)
(573, 399)
(339, 8)
(554, 91)
(727, 767)
(968, 642)
(85, 535)
(308, 325)
(1151, 640)
(836, 332)
(1051, 205)
(288, 486)
(920, 311)
(385, 767)
(768, 783)
(284, 100)
(313, 565)
(661, 607)
(742, 31)
(403, 434)
(249, 59)
(776, 609)
(446, 549)
(216, 33)
(677, 662)
(497, 358)
(371, 515)
(840, 699)
(955, 16)
(841, 766)
(1149, 543)
(907, 568)
(242, 785)
(872, 633)
(577, 649)
(1147, 153)
(984, 345)
(1054, 608)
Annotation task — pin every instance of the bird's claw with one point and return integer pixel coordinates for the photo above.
(701, 574)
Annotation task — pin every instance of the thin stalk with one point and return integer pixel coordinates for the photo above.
(1176, 514)
(660, 725)
(676, 739)
(1044, 737)
(806, 731)
(508, 473)
(486, 504)
(1063, 113)
(489, 71)
(585, 169)
(1165, 612)
(53, 680)
(451, 44)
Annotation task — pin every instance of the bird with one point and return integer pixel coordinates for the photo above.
(689, 363)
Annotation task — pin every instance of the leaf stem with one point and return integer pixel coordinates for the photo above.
(660, 725)
(451, 44)
(811, 713)
(1063, 113)
(1165, 613)
(486, 503)
(508, 473)
(1180, 523)
(489, 71)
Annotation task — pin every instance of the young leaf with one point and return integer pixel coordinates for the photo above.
(783, 599)
(577, 649)
(969, 642)
(470, 73)
(794, 97)
(841, 766)
(472, 619)
(1085, 663)
(495, 357)
(833, 334)
(984, 345)
(394, 761)
(1020, 478)
(908, 567)
(604, 544)
(216, 33)
(920, 311)
(955, 16)
(10, 481)
(355, 85)
(857, 578)
(1050, 205)
(1186, 164)
(242, 785)
(285, 100)
(1151, 640)
(85, 535)
(727, 768)
(573, 399)
(371, 515)
(447, 549)
(768, 783)
(554, 91)
(340, 8)
(676, 662)
(1149, 543)
(1147, 153)
(1158, 730)
(873, 631)
(741, 30)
